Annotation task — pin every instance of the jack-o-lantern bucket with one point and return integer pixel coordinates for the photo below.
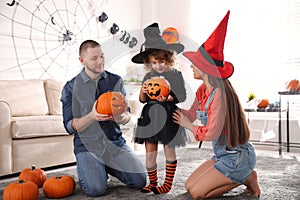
(111, 103)
(158, 86)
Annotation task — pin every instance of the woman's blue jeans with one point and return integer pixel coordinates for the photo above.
(124, 165)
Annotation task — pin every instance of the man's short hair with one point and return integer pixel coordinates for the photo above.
(87, 44)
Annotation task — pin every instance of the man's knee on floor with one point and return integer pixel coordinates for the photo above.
(138, 180)
(94, 191)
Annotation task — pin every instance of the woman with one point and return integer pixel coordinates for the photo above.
(222, 121)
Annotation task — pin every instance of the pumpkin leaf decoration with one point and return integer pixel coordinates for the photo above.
(36, 175)
(158, 86)
(59, 186)
(251, 96)
(111, 103)
(21, 190)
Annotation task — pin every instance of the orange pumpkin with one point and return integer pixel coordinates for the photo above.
(293, 85)
(21, 190)
(59, 186)
(36, 175)
(111, 103)
(158, 86)
(263, 103)
(170, 35)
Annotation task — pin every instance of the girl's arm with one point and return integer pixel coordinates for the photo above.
(143, 93)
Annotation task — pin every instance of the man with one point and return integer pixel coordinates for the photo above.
(99, 146)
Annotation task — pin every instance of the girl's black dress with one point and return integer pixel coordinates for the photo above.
(155, 124)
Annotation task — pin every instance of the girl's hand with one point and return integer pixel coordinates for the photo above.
(144, 92)
(161, 99)
(164, 99)
(144, 88)
(170, 98)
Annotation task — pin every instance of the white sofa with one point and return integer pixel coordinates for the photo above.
(31, 127)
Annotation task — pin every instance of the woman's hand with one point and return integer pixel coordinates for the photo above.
(182, 120)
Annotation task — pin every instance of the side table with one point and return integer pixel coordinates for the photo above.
(287, 93)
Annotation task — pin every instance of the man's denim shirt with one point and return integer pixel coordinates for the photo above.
(78, 98)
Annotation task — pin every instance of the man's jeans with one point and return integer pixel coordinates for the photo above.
(124, 165)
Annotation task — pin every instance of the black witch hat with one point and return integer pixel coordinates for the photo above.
(154, 41)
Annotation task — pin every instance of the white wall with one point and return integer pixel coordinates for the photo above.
(263, 37)
(31, 32)
(262, 42)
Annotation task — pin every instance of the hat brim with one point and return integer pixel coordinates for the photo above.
(140, 57)
(200, 62)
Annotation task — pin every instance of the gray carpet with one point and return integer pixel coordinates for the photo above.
(279, 178)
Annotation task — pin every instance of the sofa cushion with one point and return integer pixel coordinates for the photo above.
(25, 97)
(37, 126)
(53, 90)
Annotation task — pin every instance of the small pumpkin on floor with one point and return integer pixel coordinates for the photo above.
(36, 175)
(59, 186)
(21, 190)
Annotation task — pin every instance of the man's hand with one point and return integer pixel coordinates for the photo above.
(98, 116)
(123, 118)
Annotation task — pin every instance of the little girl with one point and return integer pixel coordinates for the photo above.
(156, 124)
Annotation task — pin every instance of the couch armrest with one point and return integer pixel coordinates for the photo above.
(5, 139)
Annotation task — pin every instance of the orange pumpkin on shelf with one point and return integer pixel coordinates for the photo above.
(170, 35)
(293, 85)
(158, 86)
(59, 186)
(21, 190)
(263, 103)
(111, 103)
(36, 175)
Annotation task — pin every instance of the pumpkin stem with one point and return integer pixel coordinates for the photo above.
(33, 167)
(58, 177)
(21, 181)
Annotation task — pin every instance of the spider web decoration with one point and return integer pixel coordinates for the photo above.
(42, 37)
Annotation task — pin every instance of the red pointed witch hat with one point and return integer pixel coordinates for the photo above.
(209, 57)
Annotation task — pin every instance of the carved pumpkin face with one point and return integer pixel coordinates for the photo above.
(111, 103)
(158, 86)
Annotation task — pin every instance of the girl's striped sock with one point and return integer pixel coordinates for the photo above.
(152, 174)
(170, 173)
